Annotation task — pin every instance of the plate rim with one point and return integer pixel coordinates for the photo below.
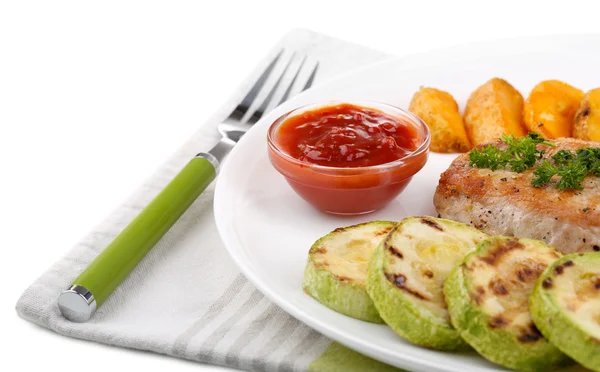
(481, 49)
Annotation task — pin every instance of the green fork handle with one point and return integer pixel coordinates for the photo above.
(91, 288)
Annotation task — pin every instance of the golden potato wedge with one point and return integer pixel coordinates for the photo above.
(550, 108)
(439, 111)
(552, 86)
(495, 108)
(587, 119)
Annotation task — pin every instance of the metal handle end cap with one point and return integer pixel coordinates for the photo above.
(77, 304)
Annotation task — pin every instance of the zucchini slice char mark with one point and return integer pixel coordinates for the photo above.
(406, 275)
(565, 306)
(336, 271)
(487, 297)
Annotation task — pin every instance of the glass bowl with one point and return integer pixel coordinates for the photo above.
(350, 190)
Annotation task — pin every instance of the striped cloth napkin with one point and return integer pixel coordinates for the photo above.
(187, 298)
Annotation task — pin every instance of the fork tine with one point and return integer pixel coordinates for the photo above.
(265, 103)
(311, 78)
(241, 109)
(286, 94)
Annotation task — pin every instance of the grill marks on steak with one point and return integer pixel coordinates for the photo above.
(503, 202)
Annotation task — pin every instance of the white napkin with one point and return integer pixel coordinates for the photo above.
(187, 298)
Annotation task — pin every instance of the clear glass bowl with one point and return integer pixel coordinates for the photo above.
(350, 190)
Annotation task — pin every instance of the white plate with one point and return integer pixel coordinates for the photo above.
(268, 229)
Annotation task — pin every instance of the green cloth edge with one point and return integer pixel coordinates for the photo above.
(338, 358)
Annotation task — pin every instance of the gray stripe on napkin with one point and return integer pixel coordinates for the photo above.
(207, 351)
(302, 349)
(260, 323)
(287, 328)
(214, 310)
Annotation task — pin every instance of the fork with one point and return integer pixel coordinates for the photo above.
(234, 126)
(98, 281)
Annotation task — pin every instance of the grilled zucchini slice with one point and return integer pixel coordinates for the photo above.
(337, 265)
(406, 274)
(565, 306)
(487, 296)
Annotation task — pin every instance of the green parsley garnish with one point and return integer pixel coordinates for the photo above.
(572, 168)
(590, 156)
(488, 157)
(521, 154)
(571, 175)
(543, 173)
(562, 157)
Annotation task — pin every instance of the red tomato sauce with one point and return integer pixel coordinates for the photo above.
(346, 136)
(341, 157)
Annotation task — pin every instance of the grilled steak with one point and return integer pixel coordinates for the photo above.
(503, 202)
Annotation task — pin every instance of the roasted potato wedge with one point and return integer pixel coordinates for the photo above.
(550, 108)
(587, 119)
(439, 111)
(495, 108)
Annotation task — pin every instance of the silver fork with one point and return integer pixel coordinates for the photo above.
(234, 126)
(90, 289)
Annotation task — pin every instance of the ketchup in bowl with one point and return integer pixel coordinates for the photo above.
(346, 135)
(348, 158)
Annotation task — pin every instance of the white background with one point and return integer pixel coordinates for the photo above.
(93, 96)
